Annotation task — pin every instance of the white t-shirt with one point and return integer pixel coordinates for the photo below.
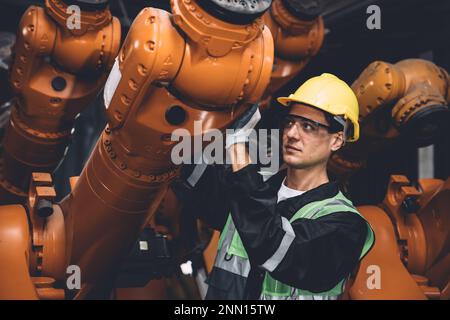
(285, 192)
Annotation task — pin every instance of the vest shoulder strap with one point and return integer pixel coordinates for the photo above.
(316, 209)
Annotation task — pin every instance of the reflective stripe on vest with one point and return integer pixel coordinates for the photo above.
(232, 256)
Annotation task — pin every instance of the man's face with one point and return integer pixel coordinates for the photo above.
(308, 143)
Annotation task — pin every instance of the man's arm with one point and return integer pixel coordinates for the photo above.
(203, 190)
(310, 254)
(203, 195)
(239, 156)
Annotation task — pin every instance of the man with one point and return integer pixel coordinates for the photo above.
(295, 236)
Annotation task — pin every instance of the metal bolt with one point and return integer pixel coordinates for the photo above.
(59, 83)
(44, 208)
(410, 204)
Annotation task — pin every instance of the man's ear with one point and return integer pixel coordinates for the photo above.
(337, 141)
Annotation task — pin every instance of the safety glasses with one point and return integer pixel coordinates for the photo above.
(308, 126)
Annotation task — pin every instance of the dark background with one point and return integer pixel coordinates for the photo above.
(409, 29)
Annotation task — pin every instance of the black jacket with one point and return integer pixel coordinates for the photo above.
(325, 250)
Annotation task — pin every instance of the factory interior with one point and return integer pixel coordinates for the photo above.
(71, 199)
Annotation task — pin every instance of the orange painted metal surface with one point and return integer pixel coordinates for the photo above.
(408, 97)
(396, 282)
(15, 247)
(169, 64)
(412, 245)
(56, 74)
(130, 169)
(296, 42)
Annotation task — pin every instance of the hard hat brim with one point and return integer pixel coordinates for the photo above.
(285, 100)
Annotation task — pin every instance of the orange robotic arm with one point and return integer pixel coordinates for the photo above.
(409, 98)
(381, 274)
(57, 72)
(193, 65)
(298, 33)
(412, 248)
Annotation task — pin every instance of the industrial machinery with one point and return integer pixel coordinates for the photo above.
(165, 77)
(298, 31)
(408, 98)
(57, 72)
(152, 89)
(412, 249)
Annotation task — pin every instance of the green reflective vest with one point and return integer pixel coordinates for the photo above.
(232, 257)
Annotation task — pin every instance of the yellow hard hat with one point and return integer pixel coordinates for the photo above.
(330, 94)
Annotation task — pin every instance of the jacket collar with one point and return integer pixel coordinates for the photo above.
(292, 205)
